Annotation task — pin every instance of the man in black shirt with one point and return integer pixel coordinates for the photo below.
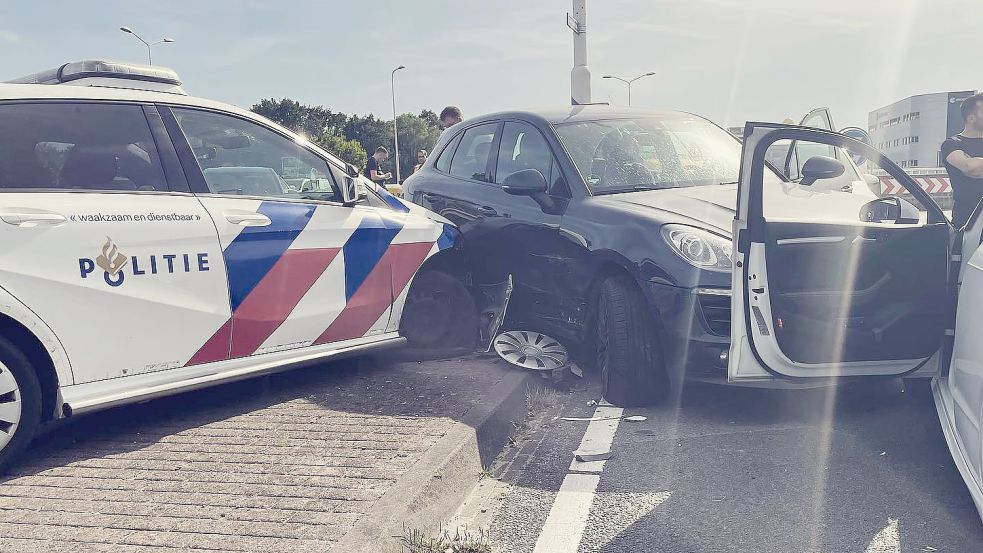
(963, 155)
(372, 168)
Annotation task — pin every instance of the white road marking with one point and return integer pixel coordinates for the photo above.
(599, 437)
(614, 512)
(568, 517)
(888, 540)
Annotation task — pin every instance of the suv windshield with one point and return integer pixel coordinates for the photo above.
(669, 151)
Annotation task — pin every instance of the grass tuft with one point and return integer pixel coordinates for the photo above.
(463, 541)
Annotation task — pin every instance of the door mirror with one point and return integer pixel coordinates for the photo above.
(353, 190)
(820, 167)
(890, 210)
(352, 171)
(528, 182)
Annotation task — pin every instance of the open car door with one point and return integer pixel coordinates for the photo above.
(830, 284)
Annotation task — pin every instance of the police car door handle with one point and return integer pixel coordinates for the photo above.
(246, 218)
(27, 217)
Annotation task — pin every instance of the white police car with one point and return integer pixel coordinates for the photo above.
(151, 243)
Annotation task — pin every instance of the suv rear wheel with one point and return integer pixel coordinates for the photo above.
(629, 352)
(20, 402)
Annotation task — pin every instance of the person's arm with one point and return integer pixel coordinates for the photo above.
(970, 166)
(376, 176)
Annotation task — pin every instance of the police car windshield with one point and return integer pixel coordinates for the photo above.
(620, 155)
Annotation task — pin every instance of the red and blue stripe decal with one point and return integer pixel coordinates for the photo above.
(254, 252)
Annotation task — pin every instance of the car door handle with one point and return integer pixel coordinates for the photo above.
(428, 197)
(28, 217)
(487, 211)
(246, 218)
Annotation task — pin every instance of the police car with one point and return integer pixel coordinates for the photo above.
(153, 243)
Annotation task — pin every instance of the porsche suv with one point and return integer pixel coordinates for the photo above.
(615, 225)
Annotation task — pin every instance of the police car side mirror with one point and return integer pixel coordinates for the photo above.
(351, 170)
(353, 191)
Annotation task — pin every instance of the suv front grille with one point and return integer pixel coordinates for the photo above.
(716, 313)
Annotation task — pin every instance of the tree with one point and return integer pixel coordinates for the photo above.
(353, 137)
(312, 121)
(349, 151)
(415, 133)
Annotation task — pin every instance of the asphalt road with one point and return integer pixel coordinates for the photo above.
(860, 468)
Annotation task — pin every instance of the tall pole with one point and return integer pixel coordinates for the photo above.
(150, 58)
(629, 81)
(580, 74)
(392, 82)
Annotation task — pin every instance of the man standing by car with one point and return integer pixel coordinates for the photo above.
(373, 170)
(450, 116)
(963, 155)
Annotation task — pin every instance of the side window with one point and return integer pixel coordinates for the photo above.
(444, 161)
(91, 146)
(836, 198)
(239, 157)
(471, 158)
(522, 147)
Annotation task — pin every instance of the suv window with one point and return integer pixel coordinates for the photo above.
(444, 161)
(239, 157)
(471, 158)
(522, 147)
(85, 146)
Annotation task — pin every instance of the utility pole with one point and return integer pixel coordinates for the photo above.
(392, 82)
(150, 57)
(580, 74)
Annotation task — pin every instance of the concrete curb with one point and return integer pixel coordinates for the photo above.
(430, 492)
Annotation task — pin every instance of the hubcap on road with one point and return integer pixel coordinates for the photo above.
(531, 350)
(10, 406)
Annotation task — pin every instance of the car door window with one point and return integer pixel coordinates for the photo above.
(522, 147)
(240, 157)
(471, 157)
(444, 161)
(104, 147)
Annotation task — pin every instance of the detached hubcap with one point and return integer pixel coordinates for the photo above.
(10, 406)
(531, 350)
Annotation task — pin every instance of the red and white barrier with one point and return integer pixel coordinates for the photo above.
(932, 185)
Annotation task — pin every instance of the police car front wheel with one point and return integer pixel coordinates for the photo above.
(20, 402)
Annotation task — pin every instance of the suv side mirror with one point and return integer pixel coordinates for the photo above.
(528, 182)
(820, 167)
(890, 210)
(352, 171)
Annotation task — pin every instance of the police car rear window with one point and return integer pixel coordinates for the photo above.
(84, 146)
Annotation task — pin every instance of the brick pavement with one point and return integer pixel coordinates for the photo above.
(284, 463)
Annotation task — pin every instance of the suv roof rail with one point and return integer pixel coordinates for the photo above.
(107, 73)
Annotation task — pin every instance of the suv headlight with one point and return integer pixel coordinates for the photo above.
(699, 248)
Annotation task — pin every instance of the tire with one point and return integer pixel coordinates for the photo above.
(628, 349)
(439, 319)
(18, 388)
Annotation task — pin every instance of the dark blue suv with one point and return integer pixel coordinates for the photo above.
(615, 226)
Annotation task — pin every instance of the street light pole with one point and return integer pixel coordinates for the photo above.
(150, 59)
(392, 82)
(629, 81)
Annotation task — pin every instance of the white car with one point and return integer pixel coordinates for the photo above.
(823, 292)
(150, 244)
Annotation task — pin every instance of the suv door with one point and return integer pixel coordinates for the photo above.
(826, 285)
(303, 268)
(101, 237)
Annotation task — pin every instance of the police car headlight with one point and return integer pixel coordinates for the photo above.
(699, 247)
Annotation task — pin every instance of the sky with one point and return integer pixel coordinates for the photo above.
(728, 60)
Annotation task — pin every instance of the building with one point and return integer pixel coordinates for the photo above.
(911, 131)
